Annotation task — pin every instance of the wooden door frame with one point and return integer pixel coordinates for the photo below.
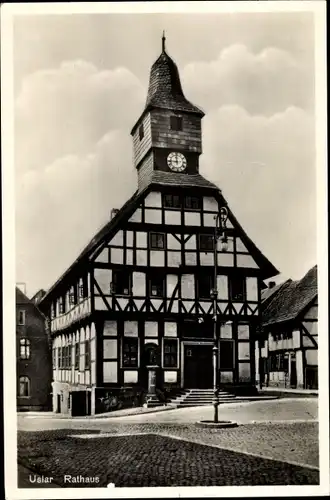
(190, 342)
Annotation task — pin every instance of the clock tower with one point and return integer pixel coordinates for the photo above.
(167, 138)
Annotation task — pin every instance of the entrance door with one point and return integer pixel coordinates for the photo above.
(198, 367)
(58, 406)
(293, 374)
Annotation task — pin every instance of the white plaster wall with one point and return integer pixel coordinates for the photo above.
(245, 260)
(153, 199)
(118, 239)
(139, 284)
(252, 288)
(188, 286)
(170, 329)
(110, 371)
(157, 258)
(210, 204)
(299, 366)
(312, 357)
(192, 219)
(141, 239)
(174, 259)
(103, 277)
(141, 257)
(171, 283)
(110, 328)
(130, 377)
(109, 348)
(136, 216)
(173, 243)
(170, 377)
(172, 217)
(152, 216)
(222, 284)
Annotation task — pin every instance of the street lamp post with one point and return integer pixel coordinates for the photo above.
(219, 235)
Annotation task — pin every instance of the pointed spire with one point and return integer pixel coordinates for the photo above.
(163, 41)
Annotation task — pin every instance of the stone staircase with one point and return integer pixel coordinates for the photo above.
(200, 397)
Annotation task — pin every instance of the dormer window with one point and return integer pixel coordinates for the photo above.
(141, 132)
(176, 122)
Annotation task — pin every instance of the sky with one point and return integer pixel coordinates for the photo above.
(80, 83)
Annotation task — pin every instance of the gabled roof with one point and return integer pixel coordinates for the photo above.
(268, 293)
(130, 206)
(292, 299)
(21, 298)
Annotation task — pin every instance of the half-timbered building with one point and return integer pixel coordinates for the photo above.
(143, 284)
(288, 347)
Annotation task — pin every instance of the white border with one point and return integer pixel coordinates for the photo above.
(8, 11)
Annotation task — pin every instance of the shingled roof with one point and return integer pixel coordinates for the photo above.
(191, 180)
(165, 90)
(292, 299)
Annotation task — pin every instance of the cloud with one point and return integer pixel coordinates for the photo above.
(66, 110)
(265, 167)
(266, 82)
(61, 207)
(74, 155)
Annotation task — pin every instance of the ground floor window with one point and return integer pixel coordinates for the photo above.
(170, 353)
(130, 352)
(24, 387)
(226, 355)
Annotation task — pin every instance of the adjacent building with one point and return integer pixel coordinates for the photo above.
(288, 349)
(33, 355)
(140, 293)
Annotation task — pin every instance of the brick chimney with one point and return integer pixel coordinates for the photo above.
(271, 284)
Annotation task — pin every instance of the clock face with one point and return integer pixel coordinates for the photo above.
(177, 162)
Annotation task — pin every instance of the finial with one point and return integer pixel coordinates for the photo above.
(163, 41)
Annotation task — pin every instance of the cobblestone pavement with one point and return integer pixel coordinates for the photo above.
(152, 459)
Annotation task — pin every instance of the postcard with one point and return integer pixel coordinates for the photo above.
(164, 207)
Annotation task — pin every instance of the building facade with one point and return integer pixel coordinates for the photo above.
(33, 357)
(288, 348)
(141, 291)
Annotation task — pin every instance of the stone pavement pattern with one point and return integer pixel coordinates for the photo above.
(150, 460)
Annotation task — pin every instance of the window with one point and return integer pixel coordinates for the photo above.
(60, 358)
(176, 122)
(24, 387)
(24, 348)
(130, 352)
(21, 317)
(226, 352)
(122, 282)
(83, 288)
(204, 285)
(54, 358)
(72, 295)
(141, 132)
(237, 288)
(87, 355)
(192, 202)
(206, 242)
(77, 356)
(61, 306)
(69, 356)
(170, 353)
(171, 201)
(157, 241)
(52, 311)
(156, 286)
